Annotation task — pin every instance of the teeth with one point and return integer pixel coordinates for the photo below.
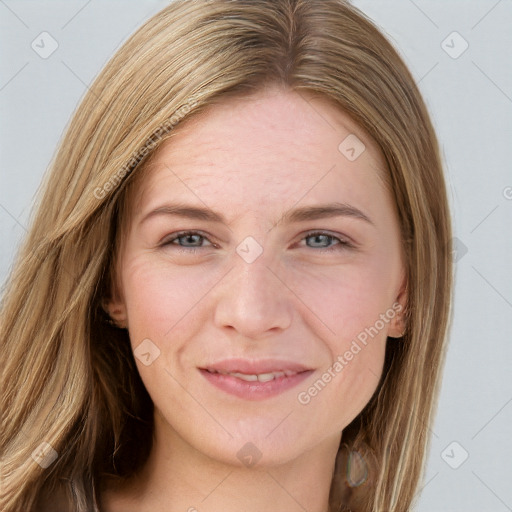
(261, 377)
(243, 376)
(265, 377)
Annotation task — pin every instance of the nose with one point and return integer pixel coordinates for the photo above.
(253, 300)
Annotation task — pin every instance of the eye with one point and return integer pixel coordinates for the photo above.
(324, 241)
(188, 241)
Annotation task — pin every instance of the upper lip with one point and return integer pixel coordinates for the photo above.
(256, 367)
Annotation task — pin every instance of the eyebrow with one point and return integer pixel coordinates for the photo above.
(292, 216)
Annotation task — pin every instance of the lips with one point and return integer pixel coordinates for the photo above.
(253, 367)
(253, 377)
(255, 380)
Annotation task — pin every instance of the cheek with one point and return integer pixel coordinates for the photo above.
(356, 342)
(163, 306)
(160, 298)
(351, 308)
(342, 391)
(343, 302)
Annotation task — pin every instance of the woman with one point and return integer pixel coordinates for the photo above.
(290, 356)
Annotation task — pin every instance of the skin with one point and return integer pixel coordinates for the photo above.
(252, 160)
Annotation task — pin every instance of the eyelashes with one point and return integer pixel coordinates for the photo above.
(335, 243)
(341, 243)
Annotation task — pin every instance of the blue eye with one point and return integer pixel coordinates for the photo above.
(192, 237)
(321, 238)
(191, 241)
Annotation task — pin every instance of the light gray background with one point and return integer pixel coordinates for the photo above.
(470, 98)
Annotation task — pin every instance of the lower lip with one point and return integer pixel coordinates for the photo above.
(254, 390)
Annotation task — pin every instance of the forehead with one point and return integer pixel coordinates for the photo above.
(248, 152)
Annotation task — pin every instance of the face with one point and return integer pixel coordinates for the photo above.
(260, 276)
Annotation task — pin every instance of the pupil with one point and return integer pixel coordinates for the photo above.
(318, 238)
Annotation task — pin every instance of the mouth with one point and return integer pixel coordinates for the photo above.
(253, 377)
(252, 380)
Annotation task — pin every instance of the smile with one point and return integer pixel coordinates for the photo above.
(253, 377)
(252, 380)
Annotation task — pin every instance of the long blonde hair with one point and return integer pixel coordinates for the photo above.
(69, 379)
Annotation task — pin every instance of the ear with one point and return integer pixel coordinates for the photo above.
(398, 323)
(115, 308)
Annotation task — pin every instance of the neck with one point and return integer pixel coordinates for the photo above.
(179, 478)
